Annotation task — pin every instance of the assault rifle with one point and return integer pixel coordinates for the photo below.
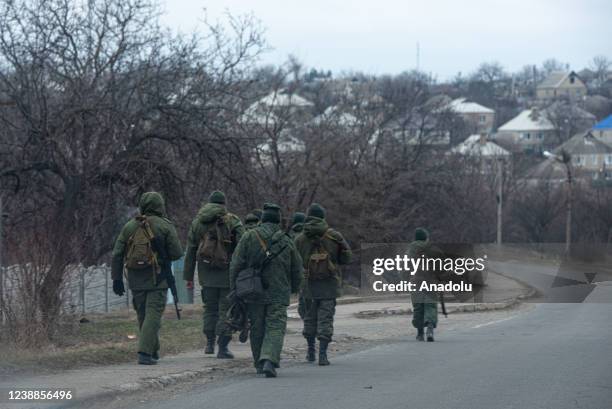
(165, 266)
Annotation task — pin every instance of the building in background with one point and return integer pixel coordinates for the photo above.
(478, 117)
(561, 84)
(603, 131)
(486, 152)
(526, 132)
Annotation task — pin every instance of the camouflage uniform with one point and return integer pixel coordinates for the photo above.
(320, 295)
(281, 277)
(214, 281)
(297, 226)
(424, 303)
(250, 221)
(149, 296)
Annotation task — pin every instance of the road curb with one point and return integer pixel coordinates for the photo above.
(454, 309)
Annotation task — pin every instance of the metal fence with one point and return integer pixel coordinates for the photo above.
(91, 290)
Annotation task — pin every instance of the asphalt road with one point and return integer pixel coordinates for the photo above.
(554, 356)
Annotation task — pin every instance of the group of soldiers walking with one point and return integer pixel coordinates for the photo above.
(305, 259)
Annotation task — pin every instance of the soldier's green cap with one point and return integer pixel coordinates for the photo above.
(316, 210)
(420, 234)
(298, 217)
(271, 213)
(217, 197)
(251, 218)
(257, 213)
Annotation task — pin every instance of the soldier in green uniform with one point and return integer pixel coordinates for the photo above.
(251, 220)
(212, 238)
(281, 276)
(297, 224)
(323, 251)
(424, 303)
(134, 248)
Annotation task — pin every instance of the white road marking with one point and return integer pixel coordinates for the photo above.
(491, 323)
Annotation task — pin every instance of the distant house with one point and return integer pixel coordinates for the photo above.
(588, 153)
(590, 159)
(280, 112)
(479, 117)
(568, 119)
(527, 132)
(603, 131)
(336, 116)
(278, 107)
(414, 129)
(561, 84)
(479, 145)
(481, 148)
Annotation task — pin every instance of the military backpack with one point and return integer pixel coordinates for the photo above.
(320, 265)
(140, 254)
(215, 245)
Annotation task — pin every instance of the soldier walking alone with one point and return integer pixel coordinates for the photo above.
(424, 303)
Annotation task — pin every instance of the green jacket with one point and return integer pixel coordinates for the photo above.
(335, 245)
(417, 249)
(206, 218)
(151, 205)
(281, 276)
(295, 230)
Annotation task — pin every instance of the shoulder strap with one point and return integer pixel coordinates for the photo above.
(327, 235)
(262, 243)
(144, 223)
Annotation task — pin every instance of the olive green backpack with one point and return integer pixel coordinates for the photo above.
(140, 254)
(320, 265)
(215, 244)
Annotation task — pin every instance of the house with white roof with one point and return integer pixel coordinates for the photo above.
(277, 107)
(334, 115)
(479, 145)
(561, 85)
(529, 131)
(479, 117)
(484, 151)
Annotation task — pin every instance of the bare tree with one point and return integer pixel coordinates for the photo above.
(601, 67)
(105, 104)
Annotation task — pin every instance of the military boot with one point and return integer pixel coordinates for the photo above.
(155, 356)
(210, 344)
(420, 334)
(310, 354)
(323, 352)
(430, 333)
(224, 352)
(268, 369)
(145, 359)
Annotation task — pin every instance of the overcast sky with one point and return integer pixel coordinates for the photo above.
(380, 36)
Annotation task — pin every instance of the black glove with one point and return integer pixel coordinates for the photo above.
(118, 287)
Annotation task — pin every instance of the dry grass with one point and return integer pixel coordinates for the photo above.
(102, 340)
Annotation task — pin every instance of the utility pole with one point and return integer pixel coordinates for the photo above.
(500, 190)
(1, 262)
(568, 219)
(566, 159)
